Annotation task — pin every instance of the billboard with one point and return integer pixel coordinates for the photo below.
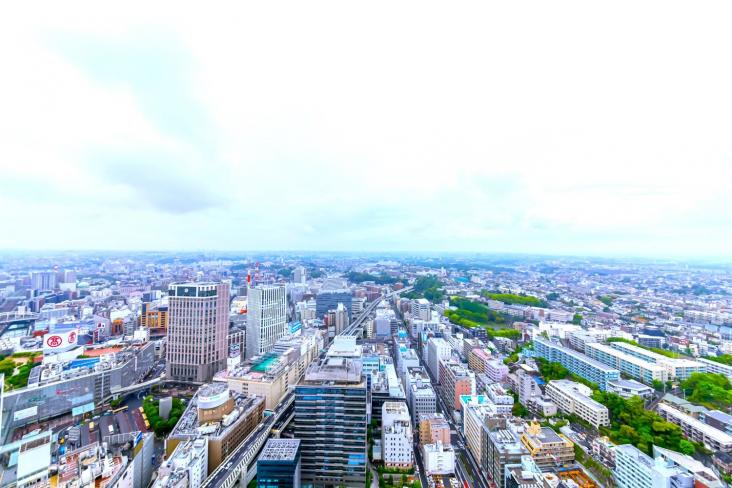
(25, 413)
(60, 341)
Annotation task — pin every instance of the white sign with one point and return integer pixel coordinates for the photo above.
(60, 340)
(25, 413)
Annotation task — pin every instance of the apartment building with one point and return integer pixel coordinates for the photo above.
(396, 436)
(576, 362)
(456, 381)
(696, 430)
(677, 368)
(575, 398)
(633, 366)
(500, 397)
(434, 428)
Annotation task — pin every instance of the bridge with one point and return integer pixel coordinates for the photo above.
(355, 328)
(235, 467)
(116, 391)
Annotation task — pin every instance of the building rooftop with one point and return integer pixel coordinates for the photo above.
(280, 450)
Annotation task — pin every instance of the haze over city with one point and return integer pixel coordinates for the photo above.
(562, 128)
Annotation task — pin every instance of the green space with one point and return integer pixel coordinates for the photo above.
(17, 368)
(577, 319)
(472, 314)
(714, 391)
(631, 423)
(723, 359)
(606, 299)
(552, 296)
(513, 299)
(513, 357)
(657, 350)
(380, 279)
(426, 287)
(160, 426)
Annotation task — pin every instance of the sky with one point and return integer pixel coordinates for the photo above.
(592, 128)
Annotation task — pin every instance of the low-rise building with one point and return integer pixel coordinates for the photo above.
(396, 436)
(438, 459)
(224, 417)
(548, 448)
(629, 388)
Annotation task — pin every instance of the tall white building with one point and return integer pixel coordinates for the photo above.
(266, 318)
(43, 280)
(300, 275)
(635, 469)
(437, 350)
(396, 435)
(420, 309)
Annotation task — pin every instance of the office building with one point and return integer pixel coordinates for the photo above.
(331, 417)
(154, 316)
(396, 436)
(433, 428)
(43, 281)
(576, 362)
(475, 410)
(299, 275)
(330, 298)
(455, 381)
(186, 467)
(438, 459)
(266, 318)
(437, 350)
(278, 466)
(198, 327)
(420, 309)
(501, 446)
(546, 447)
(224, 417)
(421, 396)
(575, 398)
(385, 387)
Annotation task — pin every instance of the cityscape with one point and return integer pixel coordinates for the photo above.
(332, 369)
(333, 244)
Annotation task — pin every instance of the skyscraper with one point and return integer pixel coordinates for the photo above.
(198, 325)
(43, 280)
(330, 418)
(266, 318)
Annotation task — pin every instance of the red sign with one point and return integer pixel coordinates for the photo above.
(54, 341)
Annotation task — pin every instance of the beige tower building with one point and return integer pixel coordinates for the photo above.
(198, 325)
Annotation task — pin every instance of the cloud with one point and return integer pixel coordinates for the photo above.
(563, 128)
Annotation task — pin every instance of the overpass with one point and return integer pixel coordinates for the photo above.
(116, 391)
(235, 467)
(355, 328)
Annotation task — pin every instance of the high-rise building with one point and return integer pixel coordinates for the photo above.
(329, 299)
(43, 280)
(299, 275)
(500, 447)
(266, 318)
(437, 350)
(455, 381)
(198, 325)
(420, 309)
(279, 464)
(331, 418)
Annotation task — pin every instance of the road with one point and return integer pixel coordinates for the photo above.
(239, 456)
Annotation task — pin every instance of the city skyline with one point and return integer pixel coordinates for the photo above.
(539, 134)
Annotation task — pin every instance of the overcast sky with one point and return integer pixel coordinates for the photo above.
(601, 128)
